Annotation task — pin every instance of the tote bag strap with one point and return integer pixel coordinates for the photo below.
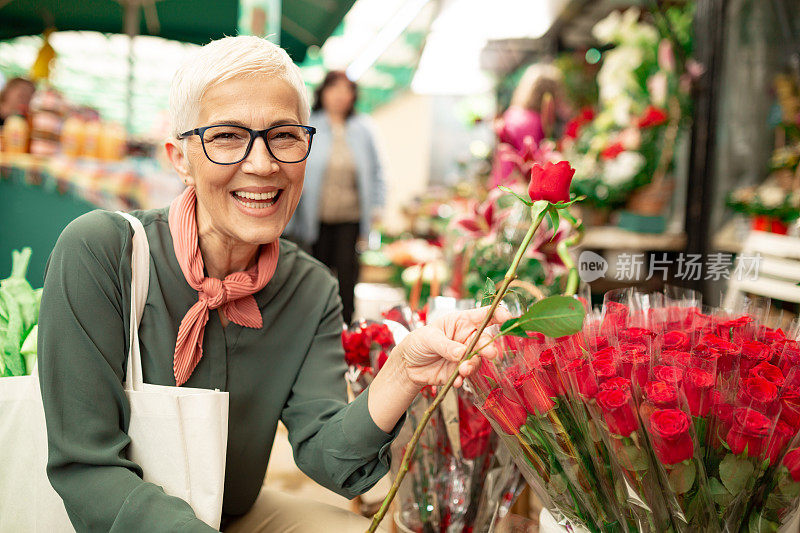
(140, 280)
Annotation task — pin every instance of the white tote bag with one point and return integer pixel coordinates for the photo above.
(178, 435)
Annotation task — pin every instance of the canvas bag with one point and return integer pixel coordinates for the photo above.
(179, 435)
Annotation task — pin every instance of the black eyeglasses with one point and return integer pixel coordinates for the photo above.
(228, 144)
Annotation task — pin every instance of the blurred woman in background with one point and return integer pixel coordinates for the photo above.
(15, 98)
(344, 185)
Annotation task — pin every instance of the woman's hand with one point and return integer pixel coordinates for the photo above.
(430, 354)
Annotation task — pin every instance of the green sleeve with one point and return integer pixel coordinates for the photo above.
(82, 350)
(336, 444)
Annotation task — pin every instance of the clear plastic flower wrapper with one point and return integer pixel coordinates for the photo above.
(460, 478)
(661, 415)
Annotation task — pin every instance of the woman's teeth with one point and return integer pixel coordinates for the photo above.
(260, 199)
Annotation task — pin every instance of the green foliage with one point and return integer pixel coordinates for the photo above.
(556, 316)
(735, 472)
(682, 476)
(19, 314)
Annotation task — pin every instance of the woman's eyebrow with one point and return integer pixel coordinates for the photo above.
(234, 122)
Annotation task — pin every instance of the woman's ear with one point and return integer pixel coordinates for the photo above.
(179, 160)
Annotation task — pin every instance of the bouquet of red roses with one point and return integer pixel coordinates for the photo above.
(366, 348)
(459, 480)
(659, 416)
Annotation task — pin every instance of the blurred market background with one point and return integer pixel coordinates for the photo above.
(682, 119)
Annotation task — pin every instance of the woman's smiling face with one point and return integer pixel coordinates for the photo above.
(250, 202)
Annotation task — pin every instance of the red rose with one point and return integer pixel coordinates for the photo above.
(572, 128)
(612, 151)
(608, 352)
(474, 430)
(551, 182)
(769, 335)
(778, 441)
(548, 371)
(598, 342)
(669, 432)
(604, 369)
(769, 372)
(580, 372)
(676, 340)
(790, 406)
(750, 430)
(676, 358)
(661, 394)
(635, 363)
(697, 384)
(356, 348)
(586, 114)
(533, 395)
(733, 329)
(637, 335)
(759, 394)
(616, 383)
(790, 356)
(506, 412)
(486, 377)
(792, 463)
(753, 352)
(668, 374)
(653, 116)
(615, 316)
(617, 406)
(729, 352)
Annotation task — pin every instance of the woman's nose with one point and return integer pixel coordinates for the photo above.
(259, 160)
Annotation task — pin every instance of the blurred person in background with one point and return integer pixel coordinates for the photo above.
(15, 98)
(344, 186)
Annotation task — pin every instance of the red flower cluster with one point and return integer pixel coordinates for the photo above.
(573, 127)
(359, 342)
(653, 116)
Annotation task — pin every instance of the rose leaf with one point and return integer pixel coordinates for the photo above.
(735, 472)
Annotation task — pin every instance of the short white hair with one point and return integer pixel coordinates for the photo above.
(225, 59)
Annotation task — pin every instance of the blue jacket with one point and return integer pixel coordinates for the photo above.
(371, 188)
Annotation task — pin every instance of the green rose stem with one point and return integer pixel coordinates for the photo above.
(404, 465)
(563, 252)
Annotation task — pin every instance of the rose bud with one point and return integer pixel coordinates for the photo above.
(506, 412)
(534, 397)
(581, 373)
(616, 383)
(676, 358)
(790, 406)
(660, 394)
(778, 441)
(551, 182)
(604, 369)
(668, 374)
(750, 431)
(759, 394)
(617, 406)
(769, 335)
(790, 357)
(474, 430)
(549, 373)
(729, 352)
(637, 335)
(792, 463)
(669, 433)
(769, 372)
(753, 352)
(615, 316)
(598, 342)
(676, 340)
(697, 384)
(605, 353)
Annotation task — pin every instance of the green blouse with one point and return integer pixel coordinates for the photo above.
(292, 369)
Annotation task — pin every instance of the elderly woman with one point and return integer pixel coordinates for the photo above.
(239, 114)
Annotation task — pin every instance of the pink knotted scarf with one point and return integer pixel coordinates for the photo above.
(233, 295)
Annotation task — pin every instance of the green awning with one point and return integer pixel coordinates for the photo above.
(303, 22)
